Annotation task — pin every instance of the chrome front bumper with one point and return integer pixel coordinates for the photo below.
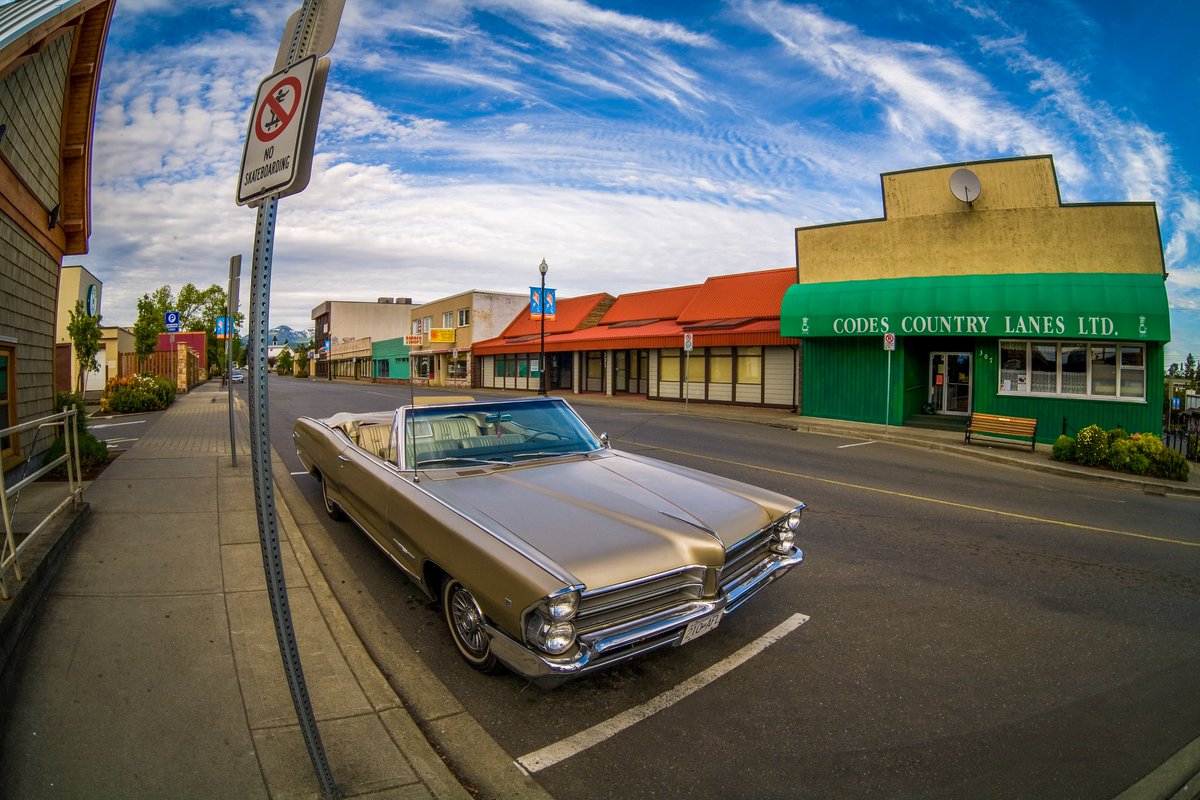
(600, 649)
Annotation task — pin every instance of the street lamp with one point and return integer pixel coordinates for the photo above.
(543, 268)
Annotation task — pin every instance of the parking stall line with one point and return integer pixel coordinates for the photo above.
(552, 754)
(856, 444)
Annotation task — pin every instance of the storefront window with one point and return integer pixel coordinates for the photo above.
(668, 365)
(1013, 366)
(720, 365)
(523, 366)
(1044, 369)
(1102, 369)
(424, 366)
(1133, 371)
(1073, 360)
(695, 366)
(456, 368)
(749, 365)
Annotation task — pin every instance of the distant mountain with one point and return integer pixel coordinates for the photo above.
(284, 335)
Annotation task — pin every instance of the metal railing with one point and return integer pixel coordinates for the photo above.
(10, 550)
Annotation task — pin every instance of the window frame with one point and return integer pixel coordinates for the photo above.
(10, 455)
(1022, 380)
(464, 317)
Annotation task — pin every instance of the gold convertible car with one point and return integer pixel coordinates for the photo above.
(551, 553)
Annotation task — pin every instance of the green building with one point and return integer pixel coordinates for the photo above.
(390, 359)
(980, 291)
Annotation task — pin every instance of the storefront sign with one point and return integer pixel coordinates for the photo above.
(966, 324)
(414, 341)
(1129, 307)
(441, 336)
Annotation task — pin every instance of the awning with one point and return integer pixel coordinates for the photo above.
(1119, 306)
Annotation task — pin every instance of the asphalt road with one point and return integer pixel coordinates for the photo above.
(969, 630)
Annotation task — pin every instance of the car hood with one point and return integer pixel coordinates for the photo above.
(607, 519)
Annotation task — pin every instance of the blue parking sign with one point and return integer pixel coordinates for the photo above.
(172, 320)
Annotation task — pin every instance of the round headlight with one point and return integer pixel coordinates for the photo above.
(562, 607)
(784, 540)
(558, 638)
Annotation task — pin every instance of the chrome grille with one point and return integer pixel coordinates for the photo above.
(745, 556)
(613, 606)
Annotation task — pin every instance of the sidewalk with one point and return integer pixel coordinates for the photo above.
(151, 668)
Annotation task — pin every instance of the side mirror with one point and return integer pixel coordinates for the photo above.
(604, 441)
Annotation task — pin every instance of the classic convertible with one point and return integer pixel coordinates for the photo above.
(551, 553)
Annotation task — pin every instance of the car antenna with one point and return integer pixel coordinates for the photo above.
(408, 421)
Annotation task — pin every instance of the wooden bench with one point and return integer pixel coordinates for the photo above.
(997, 425)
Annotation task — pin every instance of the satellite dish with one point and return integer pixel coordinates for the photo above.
(964, 185)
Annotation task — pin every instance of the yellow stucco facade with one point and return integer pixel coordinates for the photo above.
(1018, 224)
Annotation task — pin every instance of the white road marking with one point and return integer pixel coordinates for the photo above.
(117, 424)
(856, 444)
(119, 441)
(552, 754)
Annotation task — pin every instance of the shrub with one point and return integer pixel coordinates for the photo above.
(1120, 454)
(1091, 446)
(302, 373)
(66, 400)
(1064, 448)
(1170, 465)
(1116, 435)
(92, 451)
(137, 393)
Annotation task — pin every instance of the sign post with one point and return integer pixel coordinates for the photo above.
(283, 118)
(889, 344)
(231, 306)
(687, 353)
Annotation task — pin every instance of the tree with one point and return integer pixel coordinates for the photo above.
(149, 325)
(283, 364)
(198, 311)
(84, 331)
(1189, 368)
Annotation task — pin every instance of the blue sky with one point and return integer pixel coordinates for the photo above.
(631, 145)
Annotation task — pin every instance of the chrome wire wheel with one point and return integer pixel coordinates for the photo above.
(331, 508)
(465, 620)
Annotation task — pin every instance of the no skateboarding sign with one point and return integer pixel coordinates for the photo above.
(277, 158)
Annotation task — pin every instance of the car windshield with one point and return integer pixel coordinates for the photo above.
(493, 432)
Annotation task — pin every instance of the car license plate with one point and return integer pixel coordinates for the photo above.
(699, 627)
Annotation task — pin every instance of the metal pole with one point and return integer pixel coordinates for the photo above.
(887, 414)
(542, 357)
(260, 449)
(235, 271)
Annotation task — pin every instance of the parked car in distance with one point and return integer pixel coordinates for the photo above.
(551, 553)
(237, 376)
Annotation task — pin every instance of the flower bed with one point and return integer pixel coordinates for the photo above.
(1138, 453)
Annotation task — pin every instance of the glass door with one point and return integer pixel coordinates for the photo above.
(950, 383)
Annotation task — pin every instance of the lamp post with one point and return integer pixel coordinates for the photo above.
(543, 268)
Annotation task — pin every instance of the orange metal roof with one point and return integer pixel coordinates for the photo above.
(653, 304)
(747, 294)
(664, 333)
(570, 312)
(726, 310)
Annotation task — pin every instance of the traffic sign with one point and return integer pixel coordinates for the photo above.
(687, 342)
(889, 341)
(171, 318)
(277, 157)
